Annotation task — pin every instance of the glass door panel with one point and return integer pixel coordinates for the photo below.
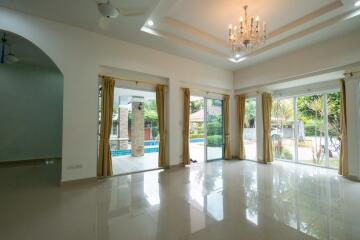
(197, 129)
(215, 129)
(311, 132)
(134, 136)
(333, 111)
(249, 135)
(282, 129)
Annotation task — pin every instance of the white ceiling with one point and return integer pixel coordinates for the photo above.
(218, 14)
(197, 29)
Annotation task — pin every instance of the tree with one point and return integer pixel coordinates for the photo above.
(196, 105)
(250, 113)
(311, 111)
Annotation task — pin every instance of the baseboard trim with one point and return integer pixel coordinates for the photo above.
(26, 162)
(353, 178)
(179, 165)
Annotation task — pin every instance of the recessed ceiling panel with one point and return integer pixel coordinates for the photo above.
(214, 16)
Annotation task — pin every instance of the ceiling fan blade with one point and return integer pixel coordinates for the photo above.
(3, 42)
(132, 12)
(104, 23)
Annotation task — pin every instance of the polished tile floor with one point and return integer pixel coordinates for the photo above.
(217, 200)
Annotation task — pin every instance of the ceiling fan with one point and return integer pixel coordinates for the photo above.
(108, 10)
(9, 58)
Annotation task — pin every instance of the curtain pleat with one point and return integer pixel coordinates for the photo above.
(227, 140)
(107, 99)
(266, 111)
(241, 119)
(160, 103)
(186, 131)
(343, 163)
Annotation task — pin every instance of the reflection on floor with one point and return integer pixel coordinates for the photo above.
(128, 164)
(217, 200)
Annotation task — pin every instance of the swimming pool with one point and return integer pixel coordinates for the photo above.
(150, 147)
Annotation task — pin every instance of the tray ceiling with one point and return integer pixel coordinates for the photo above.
(197, 29)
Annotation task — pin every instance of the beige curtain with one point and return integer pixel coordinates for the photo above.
(241, 120)
(227, 140)
(343, 164)
(160, 103)
(266, 111)
(107, 98)
(186, 132)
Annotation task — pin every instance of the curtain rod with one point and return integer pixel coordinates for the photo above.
(131, 80)
(351, 74)
(207, 92)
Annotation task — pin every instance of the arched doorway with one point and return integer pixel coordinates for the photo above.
(31, 96)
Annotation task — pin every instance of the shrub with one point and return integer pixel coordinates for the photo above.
(214, 128)
(310, 130)
(215, 140)
(195, 135)
(283, 153)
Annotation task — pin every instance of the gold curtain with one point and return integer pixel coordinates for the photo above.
(107, 99)
(241, 120)
(343, 163)
(160, 104)
(266, 111)
(227, 141)
(186, 132)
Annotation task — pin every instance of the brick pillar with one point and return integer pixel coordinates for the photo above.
(123, 135)
(137, 128)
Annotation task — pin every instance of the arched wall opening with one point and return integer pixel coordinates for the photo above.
(31, 96)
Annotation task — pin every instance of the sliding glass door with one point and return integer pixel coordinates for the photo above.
(214, 129)
(311, 137)
(306, 129)
(249, 135)
(197, 129)
(282, 129)
(206, 129)
(134, 138)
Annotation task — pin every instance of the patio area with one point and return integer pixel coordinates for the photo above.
(128, 164)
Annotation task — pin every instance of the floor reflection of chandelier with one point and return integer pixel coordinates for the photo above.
(248, 34)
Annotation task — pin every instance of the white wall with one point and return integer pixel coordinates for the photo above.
(329, 54)
(352, 87)
(79, 55)
(31, 98)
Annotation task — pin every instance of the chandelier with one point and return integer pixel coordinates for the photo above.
(248, 34)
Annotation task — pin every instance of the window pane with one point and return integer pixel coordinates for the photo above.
(197, 129)
(311, 136)
(333, 109)
(250, 129)
(215, 130)
(282, 129)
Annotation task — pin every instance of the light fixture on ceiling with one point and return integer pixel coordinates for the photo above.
(150, 23)
(9, 58)
(357, 4)
(237, 59)
(107, 9)
(248, 34)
